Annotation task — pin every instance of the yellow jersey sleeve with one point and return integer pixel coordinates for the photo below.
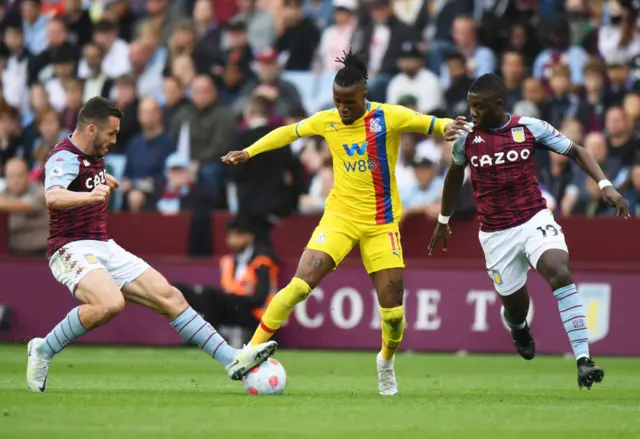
(283, 136)
(406, 120)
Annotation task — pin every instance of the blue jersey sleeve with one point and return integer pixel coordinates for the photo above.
(547, 135)
(457, 152)
(60, 170)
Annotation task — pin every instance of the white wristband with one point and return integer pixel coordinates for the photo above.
(443, 219)
(604, 183)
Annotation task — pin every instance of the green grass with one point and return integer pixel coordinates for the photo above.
(173, 393)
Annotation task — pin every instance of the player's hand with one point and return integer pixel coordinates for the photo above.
(100, 193)
(613, 197)
(112, 182)
(456, 128)
(440, 234)
(235, 157)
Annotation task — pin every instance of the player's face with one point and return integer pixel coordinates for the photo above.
(104, 137)
(350, 102)
(486, 112)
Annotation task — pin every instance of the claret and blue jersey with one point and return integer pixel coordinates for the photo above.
(503, 170)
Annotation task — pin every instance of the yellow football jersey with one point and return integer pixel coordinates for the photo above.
(364, 153)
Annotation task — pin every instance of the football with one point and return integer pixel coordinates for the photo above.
(269, 378)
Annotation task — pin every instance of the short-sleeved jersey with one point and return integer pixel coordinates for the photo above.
(365, 154)
(503, 171)
(70, 168)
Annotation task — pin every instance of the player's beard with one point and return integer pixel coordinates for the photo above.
(99, 150)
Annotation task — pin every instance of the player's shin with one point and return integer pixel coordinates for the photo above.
(280, 308)
(195, 330)
(64, 333)
(573, 319)
(393, 323)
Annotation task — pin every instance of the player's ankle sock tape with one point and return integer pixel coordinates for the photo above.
(574, 319)
(283, 303)
(195, 330)
(64, 333)
(393, 323)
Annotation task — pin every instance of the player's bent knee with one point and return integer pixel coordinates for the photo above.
(558, 276)
(108, 309)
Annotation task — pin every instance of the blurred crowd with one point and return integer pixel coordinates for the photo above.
(199, 78)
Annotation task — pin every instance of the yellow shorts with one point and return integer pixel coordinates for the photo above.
(379, 243)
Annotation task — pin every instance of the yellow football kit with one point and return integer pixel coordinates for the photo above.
(364, 205)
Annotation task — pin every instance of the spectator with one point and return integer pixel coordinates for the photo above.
(478, 59)
(28, 216)
(521, 40)
(380, 39)
(64, 67)
(211, 128)
(556, 177)
(16, 71)
(336, 39)
(533, 93)
(632, 111)
(592, 205)
(96, 83)
(317, 159)
(73, 91)
(178, 193)
(620, 38)
(620, 81)
(208, 32)
(41, 69)
(268, 185)
(164, 15)
(233, 66)
(126, 99)
(115, 62)
(559, 52)
(10, 141)
(298, 43)
(148, 76)
(424, 197)
(261, 28)
(322, 11)
(120, 11)
(148, 150)
(415, 80)
(621, 146)
(456, 94)
(513, 72)
(78, 22)
(34, 25)
(405, 173)
(592, 106)
(248, 281)
(174, 100)
(270, 85)
(562, 103)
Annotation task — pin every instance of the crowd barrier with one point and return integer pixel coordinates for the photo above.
(447, 310)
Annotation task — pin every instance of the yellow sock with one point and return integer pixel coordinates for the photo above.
(393, 323)
(279, 309)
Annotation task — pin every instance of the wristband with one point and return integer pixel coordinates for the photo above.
(443, 219)
(604, 183)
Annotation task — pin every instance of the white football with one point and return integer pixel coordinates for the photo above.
(269, 378)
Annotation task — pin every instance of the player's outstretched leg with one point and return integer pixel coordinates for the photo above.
(313, 267)
(515, 308)
(389, 285)
(553, 265)
(102, 302)
(153, 291)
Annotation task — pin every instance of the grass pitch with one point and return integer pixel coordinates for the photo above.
(104, 392)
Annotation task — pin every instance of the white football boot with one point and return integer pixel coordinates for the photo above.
(249, 357)
(37, 367)
(387, 384)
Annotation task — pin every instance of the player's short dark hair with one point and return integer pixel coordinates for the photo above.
(489, 84)
(354, 70)
(98, 110)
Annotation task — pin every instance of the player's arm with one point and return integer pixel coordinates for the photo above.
(557, 142)
(60, 170)
(278, 138)
(409, 121)
(452, 184)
